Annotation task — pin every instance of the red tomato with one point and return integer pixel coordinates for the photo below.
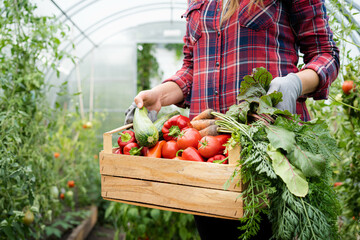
(337, 184)
(169, 149)
(56, 154)
(218, 158)
(191, 154)
(62, 195)
(144, 151)
(189, 137)
(71, 184)
(223, 138)
(209, 146)
(347, 86)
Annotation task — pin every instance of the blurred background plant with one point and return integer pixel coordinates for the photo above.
(342, 112)
(42, 148)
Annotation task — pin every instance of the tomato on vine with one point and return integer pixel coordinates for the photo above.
(28, 218)
(347, 86)
(71, 183)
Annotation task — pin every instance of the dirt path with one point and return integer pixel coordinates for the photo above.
(102, 233)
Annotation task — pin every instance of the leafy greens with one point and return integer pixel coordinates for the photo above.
(284, 162)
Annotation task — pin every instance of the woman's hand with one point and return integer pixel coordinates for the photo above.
(151, 99)
(162, 95)
(291, 88)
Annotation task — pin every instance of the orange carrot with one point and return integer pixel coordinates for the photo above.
(155, 151)
(210, 131)
(202, 123)
(204, 115)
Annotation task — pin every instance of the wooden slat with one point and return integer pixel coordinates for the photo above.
(234, 155)
(170, 209)
(207, 175)
(207, 201)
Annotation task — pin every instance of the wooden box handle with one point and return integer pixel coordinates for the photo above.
(107, 137)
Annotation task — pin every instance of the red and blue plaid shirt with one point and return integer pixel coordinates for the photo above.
(216, 58)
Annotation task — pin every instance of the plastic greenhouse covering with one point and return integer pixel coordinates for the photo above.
(106, 35)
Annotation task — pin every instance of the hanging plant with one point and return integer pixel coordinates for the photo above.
(147, 65)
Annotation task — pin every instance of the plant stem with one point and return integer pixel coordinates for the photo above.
(332, 98)
(308, 219)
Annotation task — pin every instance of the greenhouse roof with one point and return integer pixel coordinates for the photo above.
(95, 22)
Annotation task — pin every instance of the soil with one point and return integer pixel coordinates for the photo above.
(103, 233)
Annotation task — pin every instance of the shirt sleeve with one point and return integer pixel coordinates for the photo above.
(315, 39)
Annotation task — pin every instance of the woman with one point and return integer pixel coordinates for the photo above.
(224, 42)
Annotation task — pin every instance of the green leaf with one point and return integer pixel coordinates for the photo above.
(281, 138)
(155, 214)
(251, 93)
(309, 163)
(266, 105)
(183, 233)
(292, 177)
(276, 97)
(262, 76)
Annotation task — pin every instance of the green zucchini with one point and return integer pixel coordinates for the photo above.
(160, 122)
(146, 133)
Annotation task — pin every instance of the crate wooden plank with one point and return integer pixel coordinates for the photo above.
(169, 209)
(173, 196)
(209, 175)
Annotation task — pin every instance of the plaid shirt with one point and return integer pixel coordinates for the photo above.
(216, 58)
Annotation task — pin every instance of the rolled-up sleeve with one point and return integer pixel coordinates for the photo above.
(315, 39)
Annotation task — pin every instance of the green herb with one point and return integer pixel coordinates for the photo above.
(284, 164)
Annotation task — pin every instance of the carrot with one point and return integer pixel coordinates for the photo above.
(210, 131)
(155, 151)
(202, 123)
(204, 115)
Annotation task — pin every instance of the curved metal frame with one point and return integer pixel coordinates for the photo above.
(100, 43)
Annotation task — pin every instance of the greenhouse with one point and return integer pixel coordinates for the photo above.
(180, 119)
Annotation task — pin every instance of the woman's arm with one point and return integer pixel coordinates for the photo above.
(314, 36)
(309, 79)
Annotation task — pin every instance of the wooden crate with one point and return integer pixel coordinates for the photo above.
(167, 184)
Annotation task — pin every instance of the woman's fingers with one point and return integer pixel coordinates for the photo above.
(149, 99)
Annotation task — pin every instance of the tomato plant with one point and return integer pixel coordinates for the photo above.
(32, 168)
(140, 222)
